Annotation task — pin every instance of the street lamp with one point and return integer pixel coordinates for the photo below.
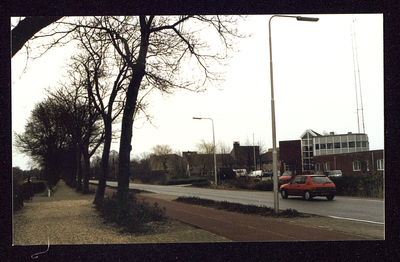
(274, 152)
(215, 159)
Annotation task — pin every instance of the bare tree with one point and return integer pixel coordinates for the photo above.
(81, 123)
(156, 48)
(224, 154)
(205, 157)
(165, 53)
(45, 139)
(161, 154)
(27, 28)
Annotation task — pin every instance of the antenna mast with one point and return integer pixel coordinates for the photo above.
(357, 80)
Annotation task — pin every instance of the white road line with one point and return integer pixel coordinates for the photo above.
(359, 220)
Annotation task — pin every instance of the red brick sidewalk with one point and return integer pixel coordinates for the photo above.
(239, 227)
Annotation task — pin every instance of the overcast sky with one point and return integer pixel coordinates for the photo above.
(313, 78)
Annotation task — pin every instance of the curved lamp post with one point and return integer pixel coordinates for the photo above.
(274, 152)
(215, 160)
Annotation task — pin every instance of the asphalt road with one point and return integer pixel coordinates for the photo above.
(348, 208)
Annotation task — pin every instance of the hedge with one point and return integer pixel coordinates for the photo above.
(183, 181)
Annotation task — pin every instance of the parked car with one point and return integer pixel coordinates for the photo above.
(286, 176)
(309, 186)
(268, 173)
(240, 172)
(335, 173)
(256, 174)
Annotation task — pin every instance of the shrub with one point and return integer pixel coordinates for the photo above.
(240, 183)
(225, 173)
(202, 184)
(138, 216)
(183, 181)
(28, 190)
(236, 207)
(18, 197)
(267, 185)
(361, 185)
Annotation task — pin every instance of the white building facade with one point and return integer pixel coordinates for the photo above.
(315, 144)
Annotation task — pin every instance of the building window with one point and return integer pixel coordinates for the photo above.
(318, 167)
(356, 166)
(344, 144)
(358, 143)
(367, 164)
(323, 146)
(330, 145)
(364, 144)
(327, 167)
(352, 144)
(380, 164)
(317, 146)
(289, 167)
(337, 145)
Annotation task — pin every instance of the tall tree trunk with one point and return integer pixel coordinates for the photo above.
(78, 168)
(86, 170)
(127, 120)
(104, 161)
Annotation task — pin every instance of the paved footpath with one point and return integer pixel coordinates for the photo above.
(239, 227)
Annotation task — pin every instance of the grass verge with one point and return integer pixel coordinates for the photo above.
(239, 208)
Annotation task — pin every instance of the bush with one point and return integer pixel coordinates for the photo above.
(236, 207)
(361, 185)
(264, 186)
(202, 184)
(239, 183)
(225, 173)
(139, 214)
(18, 196)
(28, 190)
(183, 181)
(150, 177)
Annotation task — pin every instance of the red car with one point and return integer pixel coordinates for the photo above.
(309, 186)
(286, 177)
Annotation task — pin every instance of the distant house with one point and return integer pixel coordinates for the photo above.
(267, 160)
(190, 162)
(243, 156)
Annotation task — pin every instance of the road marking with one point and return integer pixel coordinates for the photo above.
(359, 220)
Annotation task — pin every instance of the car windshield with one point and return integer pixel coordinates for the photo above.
(320, 179)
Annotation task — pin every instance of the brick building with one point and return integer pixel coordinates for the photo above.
(351, 163)
(290, 156)
(315, 152)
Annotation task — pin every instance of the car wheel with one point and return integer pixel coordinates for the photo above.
(307, 196)
(330, 197)
(284, 194)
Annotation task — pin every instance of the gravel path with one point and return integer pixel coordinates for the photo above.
(70, 218)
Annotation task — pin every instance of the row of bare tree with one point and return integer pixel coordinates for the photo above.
(118, 61)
